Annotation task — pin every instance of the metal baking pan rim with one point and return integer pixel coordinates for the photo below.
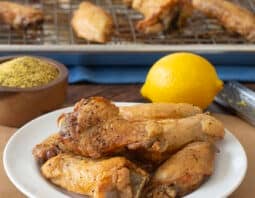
(130, 48)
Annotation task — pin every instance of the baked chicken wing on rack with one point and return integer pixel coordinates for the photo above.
(112, 177)
(92, 23)
(161, 15)
(230, 15)
(128, 2)
(158, 15)
(20, 16)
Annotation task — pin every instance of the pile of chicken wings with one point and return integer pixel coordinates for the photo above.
(146, 150)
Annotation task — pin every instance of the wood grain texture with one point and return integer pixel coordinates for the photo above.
(246, 135)
(7, 189)
(121, 93)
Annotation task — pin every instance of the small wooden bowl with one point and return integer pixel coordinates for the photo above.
(20, 105)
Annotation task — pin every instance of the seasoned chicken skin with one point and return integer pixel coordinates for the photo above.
(113, 177)
(84, 156)
(156, 111)
(96, 129)
(49, 148)
(141, 112)
(233, 17)
(172, 134)
(19, 16)
(183, 172)
(92, 23)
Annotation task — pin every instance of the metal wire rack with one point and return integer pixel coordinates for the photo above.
(56, 29)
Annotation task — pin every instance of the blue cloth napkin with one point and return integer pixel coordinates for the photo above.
(111, 68)
(132, 74)
(132, 68)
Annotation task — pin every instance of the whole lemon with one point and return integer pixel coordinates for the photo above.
(182, 78)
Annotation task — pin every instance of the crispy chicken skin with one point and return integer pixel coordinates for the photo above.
(112, 177)
(158, 111)
(19, 16)
(176, 133)
(92, 23)
(151, 7)
(183, 172)
(49, 148)
(52, 145)
(95, 129)
(233, 17)
(161, 15)
(83, 157)
(158, 15)
(128, 2)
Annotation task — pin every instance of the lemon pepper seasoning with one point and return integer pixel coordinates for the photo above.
(25, 72)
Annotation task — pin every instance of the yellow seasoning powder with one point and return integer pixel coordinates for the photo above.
(25, 72)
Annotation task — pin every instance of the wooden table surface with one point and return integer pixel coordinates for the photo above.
(122, 93)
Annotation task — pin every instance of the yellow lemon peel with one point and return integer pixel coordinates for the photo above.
(182, 77)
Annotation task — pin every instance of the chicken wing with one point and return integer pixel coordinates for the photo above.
(127, 2)
(158, 15)
(151, 7)
(95, 129)
(53, 146)
(92, 23)
(49, 148)
(113, 177)
(19, 16)
(158, 111)
(183, 172)
(161, 15)
(233, 17)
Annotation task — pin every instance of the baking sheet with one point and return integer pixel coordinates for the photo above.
(56, 33)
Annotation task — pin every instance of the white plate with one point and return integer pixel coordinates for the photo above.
(21, 168)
